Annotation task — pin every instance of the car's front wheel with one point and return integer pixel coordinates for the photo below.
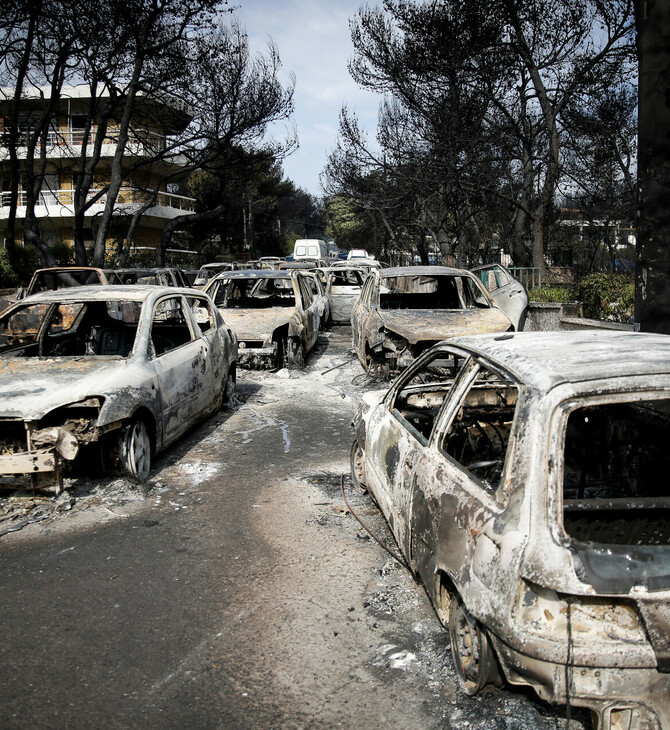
(296, 352)
(357, 468)
(228, 390)
(136, 449)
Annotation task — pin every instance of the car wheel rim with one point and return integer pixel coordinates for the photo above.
(469, 646)
(139, 451)
(357, 470)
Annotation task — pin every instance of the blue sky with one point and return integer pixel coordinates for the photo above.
(313, 40)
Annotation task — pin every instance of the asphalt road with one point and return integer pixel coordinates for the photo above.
(236, 590)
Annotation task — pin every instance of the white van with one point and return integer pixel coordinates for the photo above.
(310, 248)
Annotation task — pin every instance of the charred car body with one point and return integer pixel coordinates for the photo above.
(148, 277)
(524, 477)
(508, 293)
(404, 310)
(124, 368)
(275, 314)
(343, 286)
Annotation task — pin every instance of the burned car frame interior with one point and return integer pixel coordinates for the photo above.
(255, 293)
(72, 329)
(524, 478)
(430, 292)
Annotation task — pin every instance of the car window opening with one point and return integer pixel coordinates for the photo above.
(74, 329)
(420, 399)
(255, 294)
(615, 475)
(429, 292)
(479, 435)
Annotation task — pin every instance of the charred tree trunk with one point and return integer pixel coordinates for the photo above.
(652, 269)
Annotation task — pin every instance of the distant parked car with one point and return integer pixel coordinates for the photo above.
(269, 262)
(60, 277)
(524, 478)
(404, 310)
(508, 293)
(209, 271)
(148, 277)
(124, 368)
(343, 286)
(275, 315)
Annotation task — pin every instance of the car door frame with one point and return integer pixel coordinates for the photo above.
(477, 556)
(184, 396)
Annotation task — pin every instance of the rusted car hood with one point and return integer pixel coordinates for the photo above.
(419, 325)
(29, 387)
(257, 324)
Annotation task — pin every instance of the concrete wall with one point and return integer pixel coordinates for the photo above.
(549, 316)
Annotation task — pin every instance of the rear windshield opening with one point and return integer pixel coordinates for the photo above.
(256, 293)
(617, 462)
(429, 292)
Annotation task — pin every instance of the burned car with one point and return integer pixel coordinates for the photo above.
(123, 370)
(343, 286)
(275, 314)
(148, 277)
(404, 310)
(524, 478)
(506, 291)
(61, 277)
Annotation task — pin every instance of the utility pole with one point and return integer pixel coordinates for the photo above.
(652, 266)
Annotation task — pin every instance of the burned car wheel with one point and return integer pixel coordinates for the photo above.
(136, 450)
(228, 391)
(469, 647)
(357, 468)
(296, 353)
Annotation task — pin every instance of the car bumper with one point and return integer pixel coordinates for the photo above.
(255, 356)
(628, 698)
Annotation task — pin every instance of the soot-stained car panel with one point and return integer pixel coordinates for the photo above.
(402, 311)
(343, 286)
(275, 314)
(128, 369)
(524, 479)
(507, 292)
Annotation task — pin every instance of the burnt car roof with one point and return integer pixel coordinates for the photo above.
(131, 292)
(421, 271)
(544, 360)
(255, 274)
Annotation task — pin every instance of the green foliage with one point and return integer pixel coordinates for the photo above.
(7, 276)
(607, 296)
(28, 262)
(63, 253)
(347, 224)
(552, 293)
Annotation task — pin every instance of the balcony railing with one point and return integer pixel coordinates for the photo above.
(138, 139)
(127, 196)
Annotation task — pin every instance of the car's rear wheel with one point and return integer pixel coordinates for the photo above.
(357, 468)
(470, 648)
(136, 449)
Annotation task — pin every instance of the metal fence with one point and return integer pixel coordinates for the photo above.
(530, 277)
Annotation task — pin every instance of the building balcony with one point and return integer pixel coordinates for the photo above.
(68, 143)
(60, 204)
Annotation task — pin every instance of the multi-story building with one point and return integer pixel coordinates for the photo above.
(154, 123)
